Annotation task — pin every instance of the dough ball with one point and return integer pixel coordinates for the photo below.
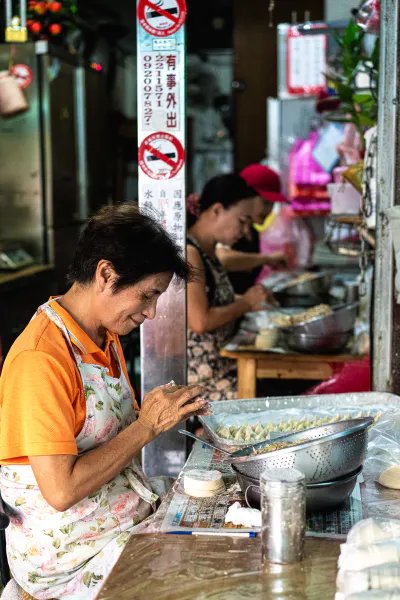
(267, 339)
(391, 478)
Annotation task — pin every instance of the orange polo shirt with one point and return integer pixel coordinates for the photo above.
(42, 402)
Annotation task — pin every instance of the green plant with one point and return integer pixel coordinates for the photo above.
(357, 106)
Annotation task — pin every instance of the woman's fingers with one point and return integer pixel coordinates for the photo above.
(192, 409)
(204, 412)
(192, 392)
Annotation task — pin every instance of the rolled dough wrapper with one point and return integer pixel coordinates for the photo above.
(371, 595)
(369, 531)
(382, 577)
(356, 558)
(202, 483)
(391, 478)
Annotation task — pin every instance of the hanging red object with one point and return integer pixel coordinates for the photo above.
(35, 27)
(54, 7)
(40, 8)
(55, 29)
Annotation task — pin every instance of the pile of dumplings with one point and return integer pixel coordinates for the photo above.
(260, 432)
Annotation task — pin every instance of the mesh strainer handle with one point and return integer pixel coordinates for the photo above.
(199, 439)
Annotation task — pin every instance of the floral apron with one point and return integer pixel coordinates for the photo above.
(70, 554)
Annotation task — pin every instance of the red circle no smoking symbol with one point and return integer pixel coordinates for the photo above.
(22, 74)
(161, 156)
(162, 18)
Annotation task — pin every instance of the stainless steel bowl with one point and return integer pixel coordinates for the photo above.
(318, 285)
(319, 496)
(342, 320)
(328, 452)
(327, 343)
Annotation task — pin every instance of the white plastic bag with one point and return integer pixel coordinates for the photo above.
(383, 455)
(382, 577)
(355, 558)
(371, 595)
(370, 531)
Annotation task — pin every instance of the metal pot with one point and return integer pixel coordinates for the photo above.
(342, 320)
(287, 301)
(324, 344)
(318, 285)
(319, 496)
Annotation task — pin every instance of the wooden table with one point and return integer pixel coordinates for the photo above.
(184, 567)
(256, 364)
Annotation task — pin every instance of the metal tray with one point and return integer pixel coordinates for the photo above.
(238, 412)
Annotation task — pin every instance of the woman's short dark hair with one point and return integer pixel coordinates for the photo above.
(228, 190)
(133, 241)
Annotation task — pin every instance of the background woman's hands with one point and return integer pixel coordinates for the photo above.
(166, 406)
(255, 297)
(277, 259)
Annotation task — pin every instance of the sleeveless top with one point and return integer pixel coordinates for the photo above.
(205, 366)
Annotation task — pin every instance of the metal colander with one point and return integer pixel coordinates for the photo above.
(334, 451)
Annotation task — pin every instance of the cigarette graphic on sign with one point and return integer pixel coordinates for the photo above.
(162, 18)
(161, 156)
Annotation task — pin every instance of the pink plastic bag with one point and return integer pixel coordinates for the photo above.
(310, 197)
(306, 170)
(288, 234)
(351, 378)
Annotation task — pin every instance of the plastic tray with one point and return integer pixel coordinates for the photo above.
(238, 412)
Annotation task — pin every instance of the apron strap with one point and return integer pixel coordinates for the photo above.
(57, 320)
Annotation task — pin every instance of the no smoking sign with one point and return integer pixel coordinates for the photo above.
(162, 18)
(22, 74)
(161, 156)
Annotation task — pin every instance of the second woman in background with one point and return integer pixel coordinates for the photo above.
(220, 215)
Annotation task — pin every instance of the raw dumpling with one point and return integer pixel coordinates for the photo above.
(258, 428)
(240, 433)
(248, 433)
(224, 432)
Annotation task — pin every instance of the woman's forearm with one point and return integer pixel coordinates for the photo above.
(235, 261)
(219, 316)
(96, 468)
(76, 478)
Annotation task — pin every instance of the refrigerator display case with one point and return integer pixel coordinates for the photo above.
(53, 156)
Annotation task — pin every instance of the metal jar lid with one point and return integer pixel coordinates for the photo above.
(281, 479)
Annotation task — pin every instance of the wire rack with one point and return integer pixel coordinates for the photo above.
(348, 236)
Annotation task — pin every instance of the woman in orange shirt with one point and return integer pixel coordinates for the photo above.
(70, 481)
